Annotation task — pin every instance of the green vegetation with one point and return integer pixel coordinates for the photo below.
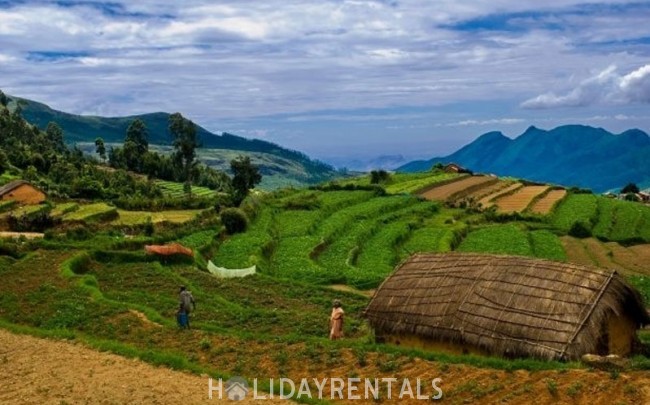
(90, 212)
(500, 239)
(608, 219)
(175, 190)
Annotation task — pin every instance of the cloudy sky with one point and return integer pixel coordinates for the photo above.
(338, 78)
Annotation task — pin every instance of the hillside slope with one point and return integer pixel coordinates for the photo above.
(82, 130)
(570, 155)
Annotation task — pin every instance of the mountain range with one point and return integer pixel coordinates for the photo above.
(280, 166)
(570, 155)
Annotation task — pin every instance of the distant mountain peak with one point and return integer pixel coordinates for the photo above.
(571, 155)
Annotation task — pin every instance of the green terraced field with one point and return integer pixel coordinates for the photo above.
(91, 212)
(175, 190)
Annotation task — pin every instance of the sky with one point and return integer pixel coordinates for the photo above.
(338, 79)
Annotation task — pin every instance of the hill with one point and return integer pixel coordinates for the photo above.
(284, 166)
(572, 155)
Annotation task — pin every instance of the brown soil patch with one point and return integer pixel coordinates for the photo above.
(610, 255)
(41, 371)
(520, 199)
(28, 235)
(143, 318)
(487, 200)
(445, 191)
(492, 189)
(347, 288)
(546, 203)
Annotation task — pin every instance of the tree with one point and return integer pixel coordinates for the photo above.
(630, 188)
(3, 99)
(4, 161)
(54, 134)
(136, 144)
(185, 142)
(379, 176)
(138, 134)
(245, 176)
(100, 149)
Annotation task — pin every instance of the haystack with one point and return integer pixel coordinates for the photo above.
(507, 305)
(168, 250)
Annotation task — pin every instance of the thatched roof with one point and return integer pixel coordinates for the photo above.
(11, 186)
(168, 250)
(506, 305)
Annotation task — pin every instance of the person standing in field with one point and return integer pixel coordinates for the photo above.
(336, 321)
(186, 305)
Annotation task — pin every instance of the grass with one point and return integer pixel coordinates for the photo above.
(176, 190)
(141, 217)
(574, 208)
(28, 210)
(499, 239)
(91, 212)
(61, 209)
(547, 245)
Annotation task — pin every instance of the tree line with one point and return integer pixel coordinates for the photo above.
(43, 158)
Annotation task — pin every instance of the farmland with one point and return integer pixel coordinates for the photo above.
(176, 190)
(545, 204)
(310, 246)
(488, 200)
(520, 199)
(458, 188)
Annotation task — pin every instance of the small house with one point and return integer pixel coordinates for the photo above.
(22, 192)
(508, 306)
(454, 168)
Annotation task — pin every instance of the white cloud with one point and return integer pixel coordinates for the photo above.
(607, 87)
(332, 61)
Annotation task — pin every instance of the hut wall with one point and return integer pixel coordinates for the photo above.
(622, 334)
(417, 342)
(25, 194)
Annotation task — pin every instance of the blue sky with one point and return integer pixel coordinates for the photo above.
(339, 79)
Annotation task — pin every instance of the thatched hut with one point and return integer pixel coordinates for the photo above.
(507, 305)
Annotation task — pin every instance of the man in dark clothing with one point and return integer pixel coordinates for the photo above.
(186, 305)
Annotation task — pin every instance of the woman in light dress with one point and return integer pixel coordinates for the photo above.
(336, 321)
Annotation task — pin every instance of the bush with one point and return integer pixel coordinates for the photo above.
(234, 220)
(580, 229)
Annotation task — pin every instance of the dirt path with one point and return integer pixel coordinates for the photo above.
(41, 371)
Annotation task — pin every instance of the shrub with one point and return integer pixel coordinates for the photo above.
(580, 229)
(234, 220)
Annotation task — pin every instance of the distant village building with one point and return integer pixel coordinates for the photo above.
(454, 168)
(507, 305)
(22, 192)
(643, 196)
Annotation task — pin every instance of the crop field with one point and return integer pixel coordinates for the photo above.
(545, 204)
(450, 190)
(575, 208)
(488, 200)
(61, 209)
(610, 219)
(493, 189)
(91, 212)
(28, 210)
(310, 246)
(142, 217)
(514, 240)
(175, 190)
(401, 183)
(500, 239)
(520, 199)
(632, 260)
